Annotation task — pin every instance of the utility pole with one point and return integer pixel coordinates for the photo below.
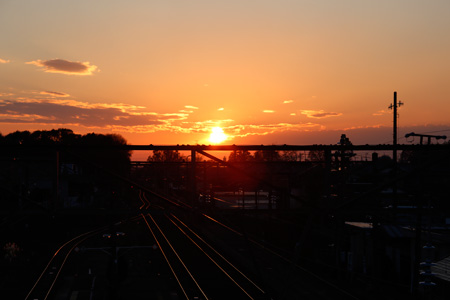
(394, 107)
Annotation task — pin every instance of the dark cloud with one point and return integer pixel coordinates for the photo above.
(55, 94)
(71, 112)
(65, 66)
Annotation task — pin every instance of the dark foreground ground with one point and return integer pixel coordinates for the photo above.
(145, 273)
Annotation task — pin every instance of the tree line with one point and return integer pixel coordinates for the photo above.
(241, 156)
(88, 147)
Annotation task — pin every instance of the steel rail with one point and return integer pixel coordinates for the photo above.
(145, 201)
(212, 259)
(290, 261)
(178, 256)
(165, 257)
(255, 242)
(63, 263)
(77, 240)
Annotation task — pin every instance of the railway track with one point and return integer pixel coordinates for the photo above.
(209, 275)
(169, 256)
(44, 285)
(200, 270)
(277, 269)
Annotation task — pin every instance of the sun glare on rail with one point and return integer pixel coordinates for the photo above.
(217, 135)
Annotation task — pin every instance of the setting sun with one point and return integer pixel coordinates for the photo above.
(217, 135)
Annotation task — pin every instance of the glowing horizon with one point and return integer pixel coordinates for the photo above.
(268, 73)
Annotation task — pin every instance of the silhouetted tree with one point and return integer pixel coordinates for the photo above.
(18, 138)
(267, 155)
(41, 137)
(166, 156)
(92, 154)
(240, 156)
(316, 155)
(342, 157)
(54, 136)
(167, 170)
(96, 149)
(291, 156)
(96, 146)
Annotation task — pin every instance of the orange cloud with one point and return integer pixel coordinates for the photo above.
(119, 117)
(202, 126)
(3, 61)
(67, 112)
(365, 127)
(319, 114)
(65, 66)
(288, 101)
(266, 129)
(25, 118)
(268, 111)
(381, 113)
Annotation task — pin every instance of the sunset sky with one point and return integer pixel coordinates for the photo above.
(266, 72)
